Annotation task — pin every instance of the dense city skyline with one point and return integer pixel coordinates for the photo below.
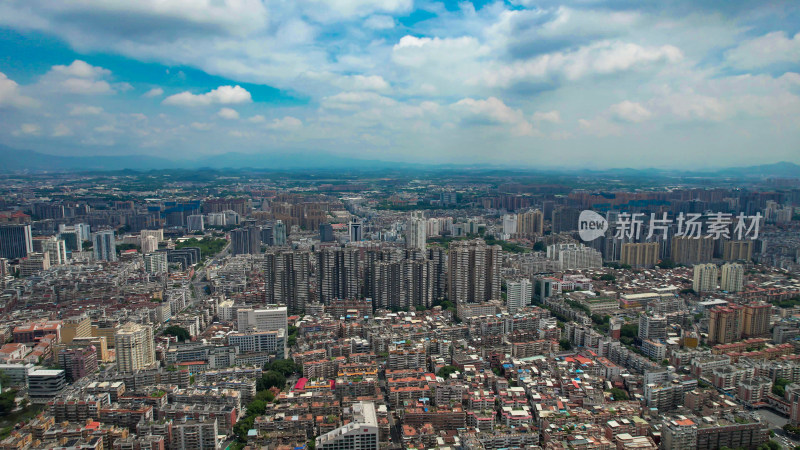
(599, 84)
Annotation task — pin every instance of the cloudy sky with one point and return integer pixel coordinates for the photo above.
(587, 83)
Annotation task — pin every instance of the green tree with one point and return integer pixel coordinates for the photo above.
(7, 402)
(618, 394)
(539, 247)
(181, 333)
(271, 379)
(779, 388)
(565, 344)
(667, 264)
(285, 367)
(445, 371)
(630, 330)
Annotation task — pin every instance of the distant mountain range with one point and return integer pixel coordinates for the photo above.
(15, 160)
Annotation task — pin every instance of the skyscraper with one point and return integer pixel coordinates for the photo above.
(509, 225)
(156, 262)
(15, 241)
(279, 235)
(565, 219)
(519, 294)
(287, 277)
(474, 271)
(725, 324)
(688, 250)
(325, 232)
(652, 327)
(195, 223)
(530, 223)
(338, 274)
(397, 279)
(705, 278)
(105, 246)
(415, 231)
(135, 347)
(148, 244)
(246, 241)
(737, 250)
(356, 232)
(57, 250)
(643, 254)
(756, 319)
(732, 278)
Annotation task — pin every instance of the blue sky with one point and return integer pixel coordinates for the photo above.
(583, 83)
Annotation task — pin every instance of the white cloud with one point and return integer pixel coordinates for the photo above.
(599, 58)
(692, 106)
(10, 94)
(85, 86)
(413, 51)
(629, 111)
(494, 111)
(81, 69)
(29, 129)
(287, 123)
(356, 100)
(224, 95)
(600, 127)
(379, 22)
(61, 130)
(365, 83)
(228, 113)
(333, 10)
(772, 48)
(85, 110)
(80, 78)
(155, 92)
(547, 116)
(258, 118)
(201, 126)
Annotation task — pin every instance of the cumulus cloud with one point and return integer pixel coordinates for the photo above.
(629, 111)
(228, 113)
(201, 126)
(356, 100)
(28, 129)
(81, 69)
(10, 94)
(493, 111)
(547, 116)
(600, 58)
(80, 78)
(155, 92)
(287, 123)
(224, 95)
(763, 51)
(61, 130)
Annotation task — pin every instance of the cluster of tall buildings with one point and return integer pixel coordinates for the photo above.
(706, 276)
(248, 240)
(730, 323)
(391, 277)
